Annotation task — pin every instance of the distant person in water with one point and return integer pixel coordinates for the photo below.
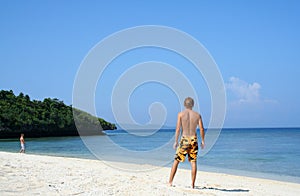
(187, 121)
(22, 142)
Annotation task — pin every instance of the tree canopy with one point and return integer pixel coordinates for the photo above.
(50, 117)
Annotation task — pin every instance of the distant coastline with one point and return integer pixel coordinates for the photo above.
(224, 128)
(47, 118)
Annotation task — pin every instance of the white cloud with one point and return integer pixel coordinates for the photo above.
(245, 92)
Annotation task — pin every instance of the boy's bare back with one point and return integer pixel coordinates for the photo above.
(189, 122)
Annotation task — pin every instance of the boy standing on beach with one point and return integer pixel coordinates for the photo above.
(187, 120)
(22, 142)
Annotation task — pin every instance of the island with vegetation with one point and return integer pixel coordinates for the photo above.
(47, 118)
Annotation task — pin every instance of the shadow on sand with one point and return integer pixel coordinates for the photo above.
(220, 189)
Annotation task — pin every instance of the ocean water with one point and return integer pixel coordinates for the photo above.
(268, 153)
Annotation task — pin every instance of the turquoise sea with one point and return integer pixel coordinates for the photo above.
(261, 152)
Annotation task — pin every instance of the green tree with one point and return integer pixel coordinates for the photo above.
(50, 117)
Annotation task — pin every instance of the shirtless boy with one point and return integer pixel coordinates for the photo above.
(22, 142)
(187, 120)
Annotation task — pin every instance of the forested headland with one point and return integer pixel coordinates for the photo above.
(50, 117)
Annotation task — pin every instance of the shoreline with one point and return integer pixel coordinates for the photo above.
(185, 166)
(35, 174)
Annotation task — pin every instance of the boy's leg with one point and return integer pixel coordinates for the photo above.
(173, 172)
(193, 172)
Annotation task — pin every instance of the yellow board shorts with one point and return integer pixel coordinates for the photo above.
(188, 146)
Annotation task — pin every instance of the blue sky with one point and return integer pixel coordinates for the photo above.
(255, 44)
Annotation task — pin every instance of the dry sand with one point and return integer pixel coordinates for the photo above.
(25, 174)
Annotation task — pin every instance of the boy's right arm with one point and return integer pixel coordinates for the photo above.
(202, 133)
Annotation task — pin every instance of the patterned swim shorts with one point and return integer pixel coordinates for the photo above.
(188, 146)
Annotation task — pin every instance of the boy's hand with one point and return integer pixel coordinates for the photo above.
(175, 145)
(202, 144)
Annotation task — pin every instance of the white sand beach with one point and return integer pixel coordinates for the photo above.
(25, 174)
